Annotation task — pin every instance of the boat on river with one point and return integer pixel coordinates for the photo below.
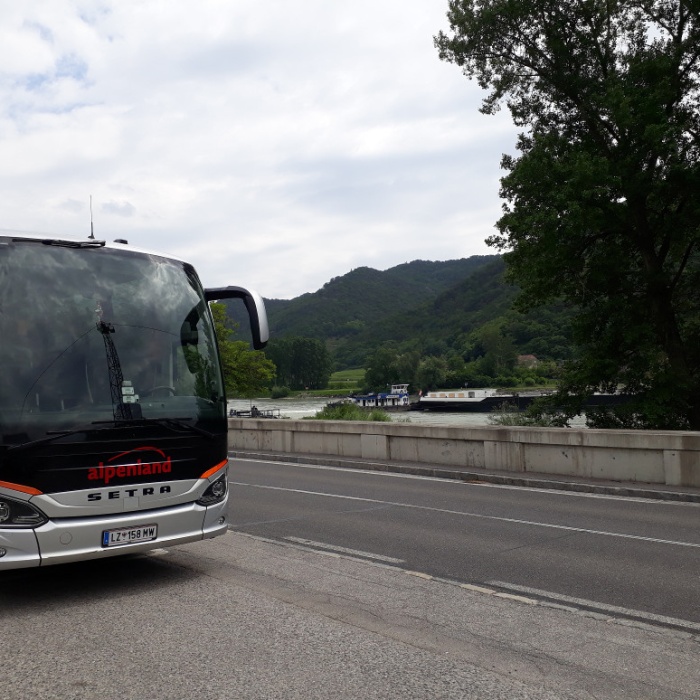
(397, 399)
(487, 400)
(254, 412)
(474, 400)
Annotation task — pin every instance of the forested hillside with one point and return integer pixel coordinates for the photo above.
(440, 309)
(349, 304)
(441, 319)
(455, 320)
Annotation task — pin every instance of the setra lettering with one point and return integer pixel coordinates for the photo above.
(129, 493)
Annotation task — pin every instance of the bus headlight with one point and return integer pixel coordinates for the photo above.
(19, 514)
(215, 493)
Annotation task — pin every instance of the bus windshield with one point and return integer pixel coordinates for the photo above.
(94, 335)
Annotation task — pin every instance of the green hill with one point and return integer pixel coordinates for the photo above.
(434, 308)
(346, 305)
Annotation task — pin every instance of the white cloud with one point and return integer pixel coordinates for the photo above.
(275, 144)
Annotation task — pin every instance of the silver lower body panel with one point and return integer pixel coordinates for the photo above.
(77, 539)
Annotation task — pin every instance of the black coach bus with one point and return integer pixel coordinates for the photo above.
(113, 427)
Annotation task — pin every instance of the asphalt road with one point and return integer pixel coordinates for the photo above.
(336, 584)
(639, 558)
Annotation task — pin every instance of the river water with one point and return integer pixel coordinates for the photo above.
(308, 407)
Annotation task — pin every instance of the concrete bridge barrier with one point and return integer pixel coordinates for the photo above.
(655, 457)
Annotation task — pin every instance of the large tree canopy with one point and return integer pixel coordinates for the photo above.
(602, 206)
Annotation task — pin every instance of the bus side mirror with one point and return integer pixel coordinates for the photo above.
(256, 310)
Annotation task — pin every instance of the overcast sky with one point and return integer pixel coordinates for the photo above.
(273, 144)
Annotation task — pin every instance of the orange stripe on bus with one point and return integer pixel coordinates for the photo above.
(19, 487)
(213, 470)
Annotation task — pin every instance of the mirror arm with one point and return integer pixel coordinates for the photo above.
(254, 304)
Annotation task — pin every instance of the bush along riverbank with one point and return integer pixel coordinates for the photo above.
(349, 411)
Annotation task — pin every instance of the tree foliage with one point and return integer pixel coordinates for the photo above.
(246, 372)
(346, 305)
(447, 304)
(302, 363)
(602, 206)
(351, 411)
(431, 373)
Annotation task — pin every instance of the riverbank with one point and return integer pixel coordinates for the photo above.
(299, 408)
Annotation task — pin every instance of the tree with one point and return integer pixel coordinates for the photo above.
(431, 373)
(246, 372)
(388, 365)
(302, 363)
(499, 351)
(381, 370)
(602, 206)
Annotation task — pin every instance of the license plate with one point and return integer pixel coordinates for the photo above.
(129, 535)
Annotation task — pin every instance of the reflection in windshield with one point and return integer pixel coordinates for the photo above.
(62, 369)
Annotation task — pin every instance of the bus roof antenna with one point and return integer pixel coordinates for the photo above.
(92, 230)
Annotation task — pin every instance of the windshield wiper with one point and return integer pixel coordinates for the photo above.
(180, 423)
(175, 424)
(52, 435)
(91, 243)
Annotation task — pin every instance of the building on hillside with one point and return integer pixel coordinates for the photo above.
(527, 361)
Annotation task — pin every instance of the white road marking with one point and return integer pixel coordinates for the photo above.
(466, 514)
(583, 603)
(610, 613)
(483, 484)
(345, 550)
(585, 494)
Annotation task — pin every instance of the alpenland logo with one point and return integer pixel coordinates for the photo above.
(133, 469)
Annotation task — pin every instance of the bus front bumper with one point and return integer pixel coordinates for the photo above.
(77, 539)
